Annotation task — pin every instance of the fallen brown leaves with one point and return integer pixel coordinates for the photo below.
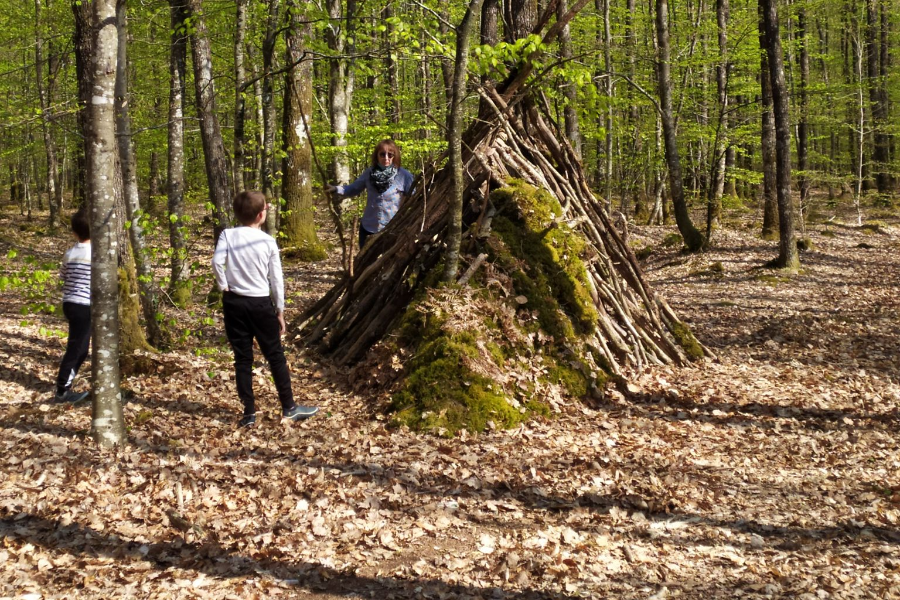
(773, 472)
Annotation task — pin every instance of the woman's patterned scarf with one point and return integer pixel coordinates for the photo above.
(383, 177)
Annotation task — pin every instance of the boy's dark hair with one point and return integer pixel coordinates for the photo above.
(81, 227)
(247, 205)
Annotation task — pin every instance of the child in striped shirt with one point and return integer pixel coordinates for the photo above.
(76, 277)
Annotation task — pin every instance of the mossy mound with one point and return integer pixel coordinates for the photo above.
(509, 346)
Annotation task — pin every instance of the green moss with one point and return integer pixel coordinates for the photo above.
(805, 244)
(442, 395)
(672, 240)
(182, 293)
(644, 253)
(543, 256)
(306, 253)
(771, 279)
(687, 341)
(572, 379)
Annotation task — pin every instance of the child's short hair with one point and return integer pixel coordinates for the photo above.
(247, 205)
(81, 227)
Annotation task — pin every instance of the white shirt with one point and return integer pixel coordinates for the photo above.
(76, 274)
(246, 262)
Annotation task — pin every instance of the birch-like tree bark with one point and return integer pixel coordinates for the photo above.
(107, 424)
(341, 79)
(175, 152)
(220, 194)
(45, 99)
(788, 257)
(146, 281)
(240, 104)
(717, 177)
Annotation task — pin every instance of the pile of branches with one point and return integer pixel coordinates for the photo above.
(512, 138)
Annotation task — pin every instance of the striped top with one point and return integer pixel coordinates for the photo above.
(76, 274)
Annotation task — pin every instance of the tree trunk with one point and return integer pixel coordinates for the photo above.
(393, 70)
(693, 239)
(107, 425)
(341, 78)
(268, 99)
(570, 92)
(220, 194)
(240, 103)
(146, 282)
(877, 98)
(490, 36)
(298, 224)
(84, 53)
(175, 154)
(788, 257)
(54, 186)
(454, 139)
(717, 175)
(803, 122)
(767, 141)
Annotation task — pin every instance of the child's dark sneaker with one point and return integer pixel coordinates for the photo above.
(70, 397)
(299, 412)
(247, 421)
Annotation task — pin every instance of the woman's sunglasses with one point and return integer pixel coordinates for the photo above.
(385, 155)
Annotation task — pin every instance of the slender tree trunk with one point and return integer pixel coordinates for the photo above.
(240, 94)
(490, 36)
(107, 425)
(298, 224)
(570, 92)
(767, 141)
(454, 234)
(693, 239)
(341, 78)
(269, 128)
(54, 187)
(608, 122)
(175, 153)
(146, 282)
(803, 122)
(84, 53)
(393, 70)
(877, 97)
(717, 176)
(788, 257)
(446, 63)
(220, 193)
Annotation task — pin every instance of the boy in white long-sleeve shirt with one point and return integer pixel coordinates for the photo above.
(247, 267)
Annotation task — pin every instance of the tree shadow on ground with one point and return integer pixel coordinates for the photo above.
(219, 561)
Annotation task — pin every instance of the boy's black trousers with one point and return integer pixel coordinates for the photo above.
(79, 317)
(247, 318)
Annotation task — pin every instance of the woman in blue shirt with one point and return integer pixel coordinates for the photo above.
(386, 184)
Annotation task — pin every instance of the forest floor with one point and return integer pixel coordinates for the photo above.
(772, 471)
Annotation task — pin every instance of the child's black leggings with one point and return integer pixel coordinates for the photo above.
(79, 317)
(247, 318)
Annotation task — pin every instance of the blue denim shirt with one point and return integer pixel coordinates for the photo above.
(380, 208)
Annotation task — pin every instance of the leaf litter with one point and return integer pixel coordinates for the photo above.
(772, 471)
